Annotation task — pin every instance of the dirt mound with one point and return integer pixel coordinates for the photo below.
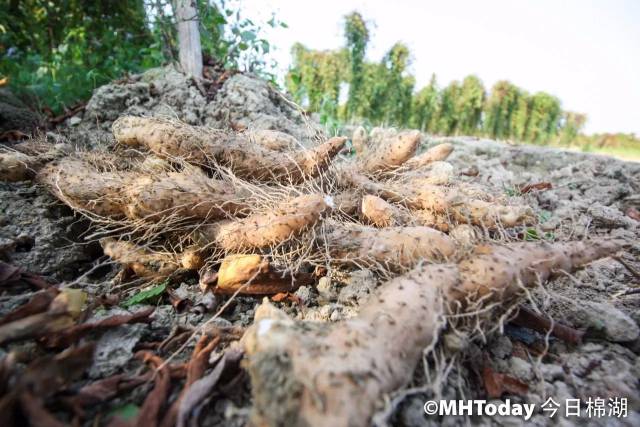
(46, 239)
(239, 101)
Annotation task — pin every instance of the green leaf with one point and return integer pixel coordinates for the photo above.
(248, 35)
(126, 412)
(145, 295)
(531, 234)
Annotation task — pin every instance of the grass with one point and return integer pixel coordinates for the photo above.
(624, 153)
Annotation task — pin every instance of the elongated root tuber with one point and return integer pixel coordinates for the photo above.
(360, 140)
(274, 140)
(461, 203)
(142, 262)
(392, 153)
(82, 187)
(15, 166)
(254, 275)
(393, 247)
(379, 213)
(437, 153)
(306, 376)
(202, 146)
(262, 230)
(189, 193)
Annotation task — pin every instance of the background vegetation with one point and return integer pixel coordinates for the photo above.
(59, 51)
(342, 86)
(56, 52)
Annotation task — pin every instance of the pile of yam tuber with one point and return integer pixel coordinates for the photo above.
(258, 213)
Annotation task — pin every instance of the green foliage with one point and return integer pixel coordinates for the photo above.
(383, 93)
(470, 104)
(571, 126)
(424, 107)
(448, 114)
(624, 145)
(503, 106)
(544, 116)
(315, 76)
(388, 91)
(60, 51)
(146, 295)
(357, 37)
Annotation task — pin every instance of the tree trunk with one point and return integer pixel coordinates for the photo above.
(189, 37)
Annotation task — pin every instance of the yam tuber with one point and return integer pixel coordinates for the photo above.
(142, 262)
(15, 166)
(23, 163)
(393, 247)
(262, 230)
(202, 146)
(306, 376)
(83, 187)
(254, 275)
(392, 153)
(456, 202)
(360, 140)
(274, 140)
(379, 213)
(463, 203)
(187, 194)
(436, 173)
(437, 153)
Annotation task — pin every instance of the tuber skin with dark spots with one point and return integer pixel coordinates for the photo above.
(261, 230)
(153, 196)
(306, 376)
(205, 147)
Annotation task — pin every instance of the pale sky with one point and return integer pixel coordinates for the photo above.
(587, 53)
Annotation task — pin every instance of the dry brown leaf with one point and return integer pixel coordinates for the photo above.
(497, 384)
(149, 415)
(539, 186)
(532, 320)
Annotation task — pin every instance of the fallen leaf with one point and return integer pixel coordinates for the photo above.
(49, 374)
(13, 136)
(286, 296)
(497, 384)
(149, 415)
(532, 320)
(70, 335)
(11, 275)
(540, 186)
(195, 370)
(180, 304)
(38, 303)
(253, 275)
(145, 295)
(202, 388)
(105, 389)
(34, 326)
